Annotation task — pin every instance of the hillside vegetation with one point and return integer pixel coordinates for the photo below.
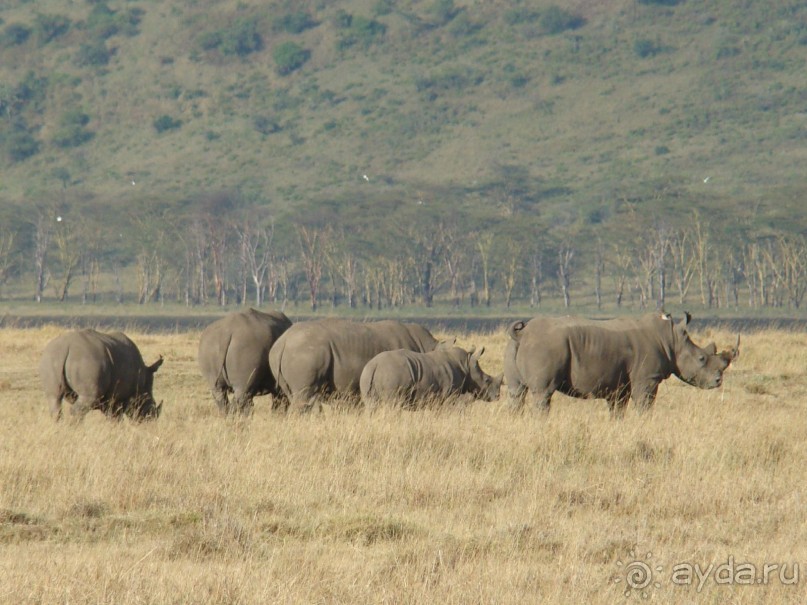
(505, 115)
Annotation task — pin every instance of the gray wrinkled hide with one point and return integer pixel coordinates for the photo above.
(413, 378)
(234, 357)
(613, 359)
(98, 371)
(325, 357)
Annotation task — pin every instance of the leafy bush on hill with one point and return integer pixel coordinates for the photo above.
(290, 56)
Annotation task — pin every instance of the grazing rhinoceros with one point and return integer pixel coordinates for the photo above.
(318, 358)
(610, 359)
(410, 377)
(234, 357)
(97, 371)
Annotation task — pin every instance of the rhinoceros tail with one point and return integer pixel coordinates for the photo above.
(276, 367)
(515, 328)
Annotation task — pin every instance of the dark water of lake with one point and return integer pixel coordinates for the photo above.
(179, 323)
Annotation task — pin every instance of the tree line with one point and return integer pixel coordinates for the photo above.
(218, 253)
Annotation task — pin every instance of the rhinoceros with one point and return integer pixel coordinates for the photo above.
(98, 371)
(323, 357)
(234, 357)
(410, 377)
(608, 359)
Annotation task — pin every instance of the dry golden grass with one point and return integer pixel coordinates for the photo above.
(466, 505)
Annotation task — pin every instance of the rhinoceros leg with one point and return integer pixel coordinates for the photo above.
(307, 400)
(515, 397)
(617, 404)
(644, 396)
(220, 396)
(540, 400)
(280, 403)
(242, 402)
(55, 406)
(81, 406)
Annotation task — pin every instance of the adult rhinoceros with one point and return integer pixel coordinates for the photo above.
(410, 377)
(234, 357)
(98, 371)
(319, 358)
(610, 359)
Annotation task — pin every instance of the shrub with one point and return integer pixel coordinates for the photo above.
(265, 125)
(241, 38)
(166, 122)
(21, 144)
(103, 22)
(363, 32)
(49, 27)
(517, 16)
(31, 89)
(444, 10)
(290, 56)
(555, 20)
(94, 54)
(295, 23)
(15, 34)
(383, 7)
(645, 48)
(662, 150)
(72, 131)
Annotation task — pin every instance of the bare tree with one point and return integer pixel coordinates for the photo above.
(484, 244)
(426, 253)
(599, 268)
(566, 253)
(66, 237)
(622, 259)
(536, 279)
(256, 254)
(42, 236)
(344, 265)
(512, 264)
(683, 261)
(313, 246)
(8, 255)
(793, 258)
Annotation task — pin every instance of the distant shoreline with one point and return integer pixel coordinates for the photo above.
(184, 323)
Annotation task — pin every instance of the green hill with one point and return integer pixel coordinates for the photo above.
(351, 112)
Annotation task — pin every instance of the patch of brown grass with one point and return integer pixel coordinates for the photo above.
(469, 504)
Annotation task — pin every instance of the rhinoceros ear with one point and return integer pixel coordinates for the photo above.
(711, 349)
(156, 365)
(476, 354)
(733, 353)
(514, 329)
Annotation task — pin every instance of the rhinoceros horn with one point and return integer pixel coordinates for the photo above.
(732, 354)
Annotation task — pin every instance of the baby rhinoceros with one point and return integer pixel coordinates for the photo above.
(98, 371)
(413, 378)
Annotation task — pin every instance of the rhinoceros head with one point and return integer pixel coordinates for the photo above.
(482, 385)
(702, 367)
(145, 407)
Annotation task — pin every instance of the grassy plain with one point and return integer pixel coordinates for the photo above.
(459, 505)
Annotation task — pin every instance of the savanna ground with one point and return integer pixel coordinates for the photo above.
(460, 505)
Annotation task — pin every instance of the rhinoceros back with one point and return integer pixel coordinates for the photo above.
(234, 349)
(91, 363)
(328, 355)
